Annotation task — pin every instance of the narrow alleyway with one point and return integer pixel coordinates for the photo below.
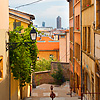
(42, 92)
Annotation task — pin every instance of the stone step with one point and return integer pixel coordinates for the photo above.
(48, 98)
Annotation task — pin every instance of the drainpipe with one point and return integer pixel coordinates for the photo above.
(94, 23)
(73, 46)
(81, 45)
(66, 46)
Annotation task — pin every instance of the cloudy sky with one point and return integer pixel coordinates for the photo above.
(45, 10)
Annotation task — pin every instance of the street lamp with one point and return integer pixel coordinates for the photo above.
(33, 35)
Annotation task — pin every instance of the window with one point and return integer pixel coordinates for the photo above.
(62, 36)
(98, 14)
(88, 83)
(71, 55)
(84, 38)
(51, 56)
(86, 3)
(15, 24)
(89, 40)
(1, 67)
(77, 19)
(71, 34)
(77, 51)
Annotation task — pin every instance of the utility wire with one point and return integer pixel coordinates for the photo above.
(28, 4)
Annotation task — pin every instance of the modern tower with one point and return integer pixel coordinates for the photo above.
(58, 22)
(43, 24)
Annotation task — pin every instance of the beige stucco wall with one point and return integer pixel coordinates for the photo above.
(4, 25)
(64, 52)
(4, 15)
(68, 47)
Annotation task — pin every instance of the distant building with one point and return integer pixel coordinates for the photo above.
(64, 53)
(58, 22)
(47, 48)
(43, 24)
(35, 26)
(46, 31)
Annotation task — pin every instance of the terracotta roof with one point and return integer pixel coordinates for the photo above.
(47, 44)
(32, 16)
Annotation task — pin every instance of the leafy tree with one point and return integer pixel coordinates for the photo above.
(43, 65)
(22, 55)
(58, 74)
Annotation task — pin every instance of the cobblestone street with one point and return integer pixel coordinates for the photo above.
(42, 92)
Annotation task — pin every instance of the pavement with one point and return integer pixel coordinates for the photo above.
(42, 92)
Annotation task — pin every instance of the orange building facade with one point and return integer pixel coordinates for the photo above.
(75, 45)
(47, 48)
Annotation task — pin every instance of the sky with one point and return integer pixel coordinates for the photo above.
(45, 11)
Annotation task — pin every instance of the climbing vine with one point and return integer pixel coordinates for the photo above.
(23, 55)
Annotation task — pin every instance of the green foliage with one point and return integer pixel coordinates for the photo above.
(38, 79)
(58, 75)
(22, 55)
(43, 65)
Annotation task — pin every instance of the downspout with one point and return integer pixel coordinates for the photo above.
(94, 41)
(94, 23)
(66, 46)
(81, 46)
(73, 46)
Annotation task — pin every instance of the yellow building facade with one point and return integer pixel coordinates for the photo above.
(88, 50)
(17, 18)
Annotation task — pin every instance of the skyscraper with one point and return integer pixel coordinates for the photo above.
(58, 22)
(43, 24)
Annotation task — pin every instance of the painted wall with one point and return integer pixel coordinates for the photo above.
(46, 54)
(4, 25)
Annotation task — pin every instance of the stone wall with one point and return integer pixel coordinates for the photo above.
(65, 66)
(42, 77)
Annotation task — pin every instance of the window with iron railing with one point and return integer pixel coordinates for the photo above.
(84, 38)
(89, 40)
(71, 34)
(71, 55)
(98, 14)
(86, 3)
